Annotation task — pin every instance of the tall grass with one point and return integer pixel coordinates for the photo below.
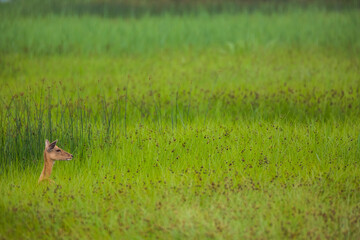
(166, 98)
(301, 29)
(249, 179)
(130, 8)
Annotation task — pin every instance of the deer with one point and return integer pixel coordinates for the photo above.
(52, 153)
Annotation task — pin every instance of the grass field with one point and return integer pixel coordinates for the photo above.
(200, 126)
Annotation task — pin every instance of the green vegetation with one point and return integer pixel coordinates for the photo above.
(197, 126)
(91, 35)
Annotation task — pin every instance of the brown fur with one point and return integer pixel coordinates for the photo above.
(52, 153)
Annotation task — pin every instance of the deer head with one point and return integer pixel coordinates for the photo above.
(52, 153)
(55, 153)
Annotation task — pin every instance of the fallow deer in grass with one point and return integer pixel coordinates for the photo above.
(52, 153)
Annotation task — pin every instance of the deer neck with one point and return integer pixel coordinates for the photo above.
(48, 165)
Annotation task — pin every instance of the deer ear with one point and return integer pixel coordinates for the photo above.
(47, 143)
(52, 145)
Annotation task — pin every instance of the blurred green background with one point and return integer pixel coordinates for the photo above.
(136, 8)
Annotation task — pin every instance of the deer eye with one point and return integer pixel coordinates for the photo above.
(58, 150)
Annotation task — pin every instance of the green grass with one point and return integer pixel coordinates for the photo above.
(249, 180)
(89, 35)
(234, 127)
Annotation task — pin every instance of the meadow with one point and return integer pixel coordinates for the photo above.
(231, 125)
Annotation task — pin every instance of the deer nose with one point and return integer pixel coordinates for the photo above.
(71, 155)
